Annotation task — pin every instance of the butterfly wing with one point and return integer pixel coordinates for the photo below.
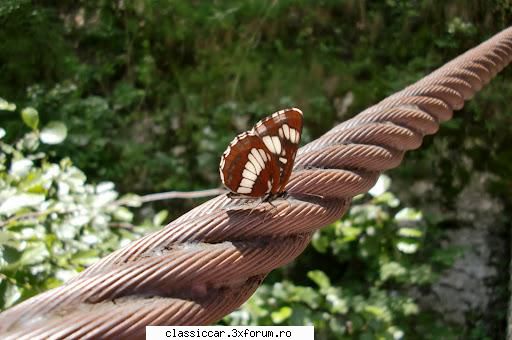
(281, 134)
(247, 168)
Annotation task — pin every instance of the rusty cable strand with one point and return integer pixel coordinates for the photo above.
(209, 261)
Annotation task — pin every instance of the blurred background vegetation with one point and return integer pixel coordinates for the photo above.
(107, 98)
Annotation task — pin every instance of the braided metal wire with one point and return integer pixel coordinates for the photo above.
(209, 261)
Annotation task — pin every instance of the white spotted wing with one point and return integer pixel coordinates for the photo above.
(259, 162)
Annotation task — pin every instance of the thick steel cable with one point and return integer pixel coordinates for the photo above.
(209, 261)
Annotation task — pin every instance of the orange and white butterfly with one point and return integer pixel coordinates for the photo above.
(259, 162)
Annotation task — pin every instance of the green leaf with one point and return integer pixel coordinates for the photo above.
(6, 106)
(281, 315)
(387, 198)
(160, 218)
(306, 295)
(85, 257)
(407, 247)
(9, 254)
(408, 214)
(421, 274)
(61, 275)
(16, 202)
(396, 332)
(377, 311)
(320, 278)
(338, 304)
(123, 214)
(410, 232)
(320, 242)
(11, 294)
(337, 326)
(391, 269)
(104, 187)
(382, 185)
(410, 308)
(53, 133)
(301, 316)
(35, 254)
(351, 233)
(30, 117)
(20, 167)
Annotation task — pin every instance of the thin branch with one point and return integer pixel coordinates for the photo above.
(144, 199)
(181, 194)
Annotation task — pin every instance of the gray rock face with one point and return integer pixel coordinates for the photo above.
(462, 288)
(470, 286)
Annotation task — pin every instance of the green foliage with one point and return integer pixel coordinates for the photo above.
(52, 222)
(376, 256)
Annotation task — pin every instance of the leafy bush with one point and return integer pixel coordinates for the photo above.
(52, 222)
(371, 262)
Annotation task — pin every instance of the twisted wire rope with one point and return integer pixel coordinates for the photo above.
(209, 261)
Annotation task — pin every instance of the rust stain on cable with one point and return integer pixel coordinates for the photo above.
(209, 261)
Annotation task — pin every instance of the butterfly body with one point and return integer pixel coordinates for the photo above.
(259, 162)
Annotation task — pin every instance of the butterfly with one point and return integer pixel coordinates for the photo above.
(259, 162)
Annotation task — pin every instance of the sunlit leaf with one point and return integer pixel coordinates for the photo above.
(338, 304)
(90, 239)
(388, 199)
(397, 333)
(11, 294)
(350, 232)
(408, 214)
(53, 133)
(34, 254)
(104, 198)
(79, 220)
(410, 308)
(391, 269)
(410, 232)
(30, 117)
(123, 214)
(306, 295)
(281, 315)
(66, 231)
(16, 202)
(104, 187)
(319, 278)
(377, 311)
(408, 248)
(6, 106)
(160, 218)
(20, 167)
(85, 257)
(337, 326)
(65, 275)
(381, 186)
